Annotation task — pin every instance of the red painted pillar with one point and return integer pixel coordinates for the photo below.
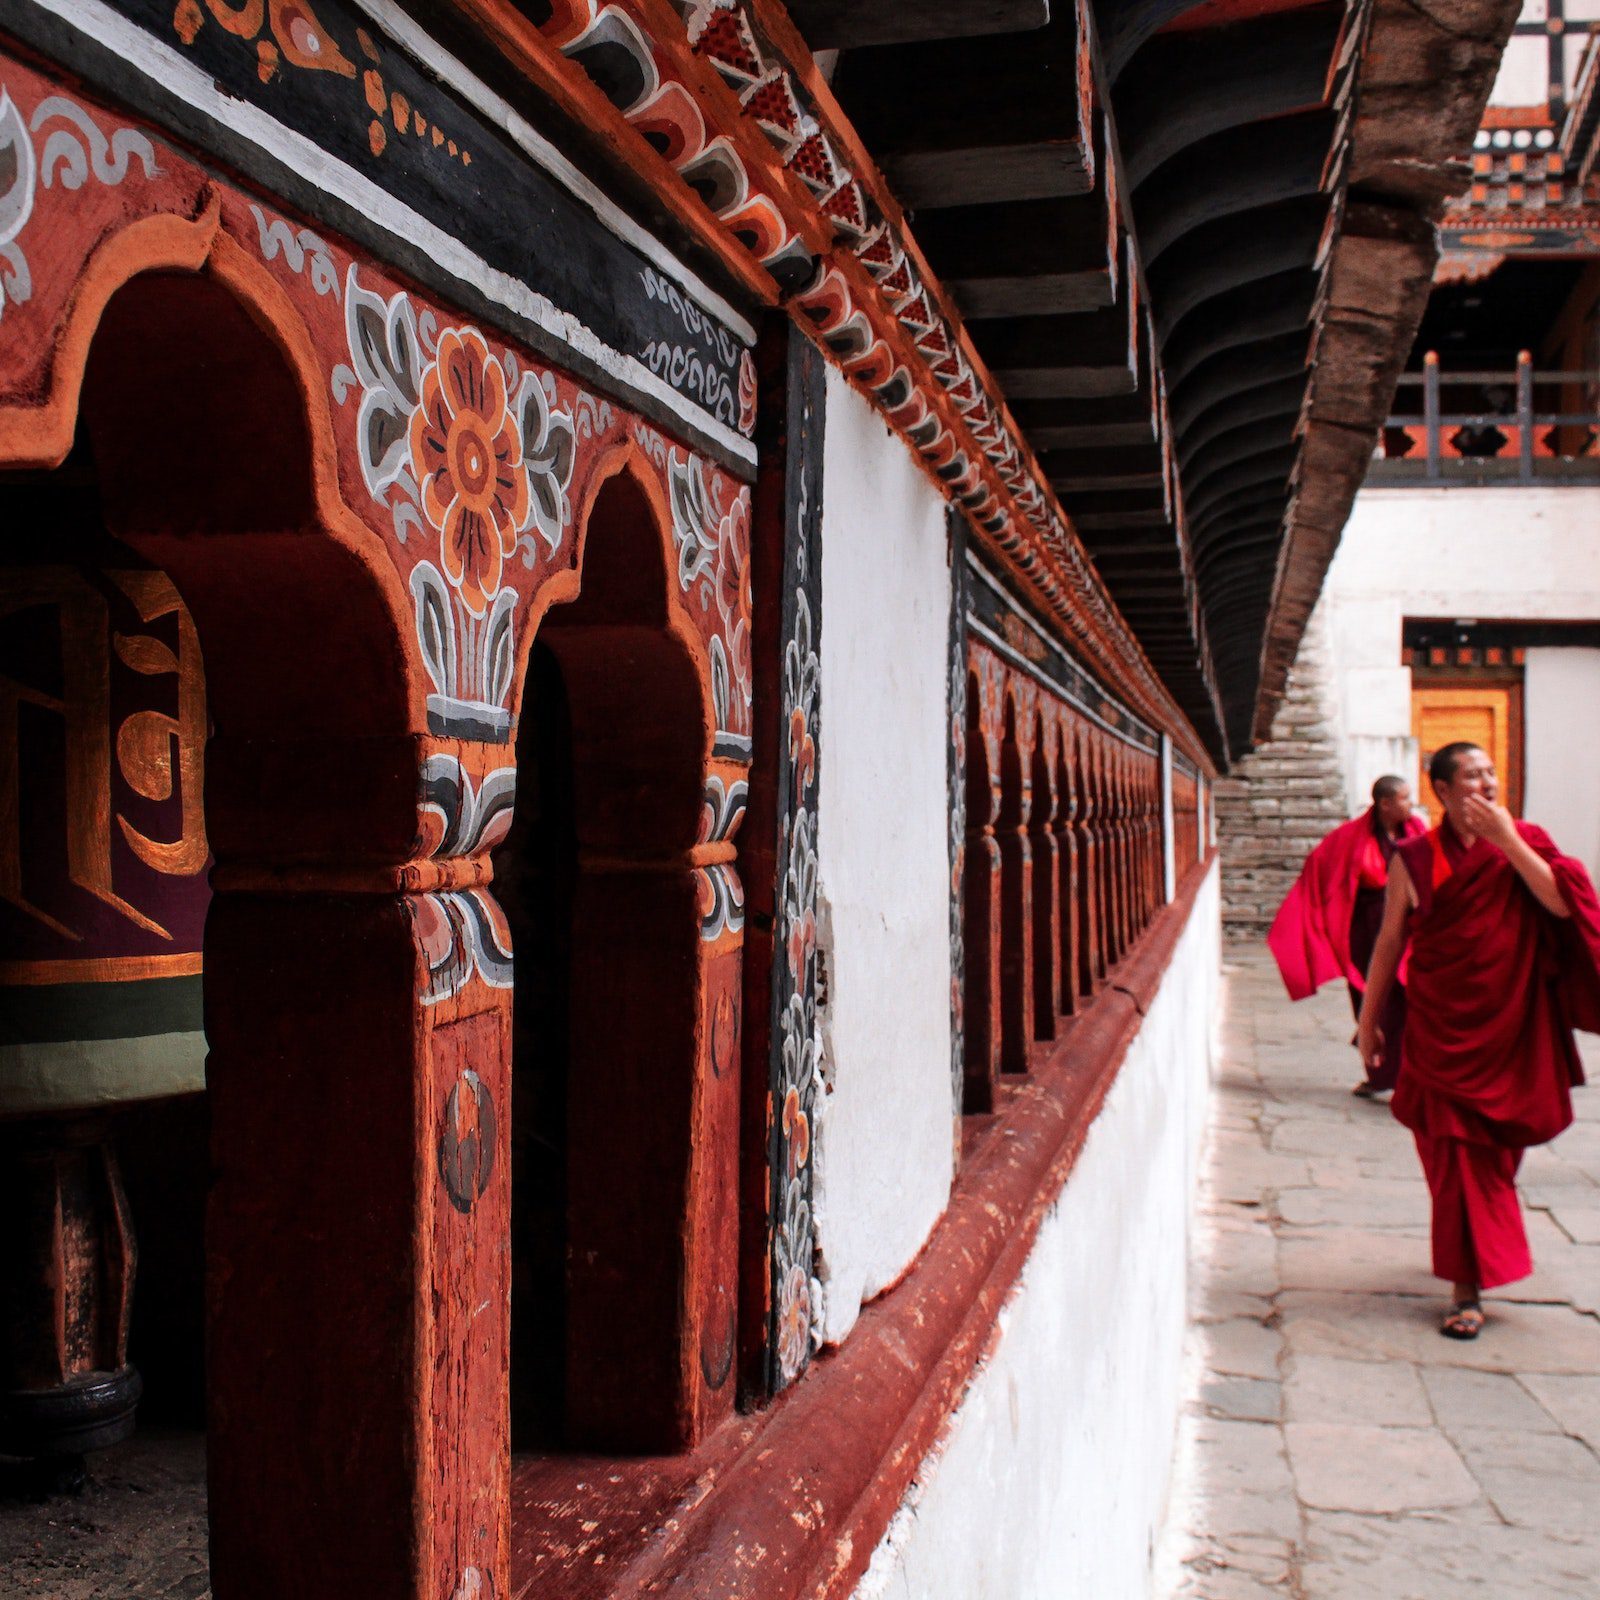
(1016, 901)
(1091, 970)
(1122, 871)
(1068, 877)
(1046, 930)
(1153, 868)
(1100, 827)
(358, 1231)
(980, 924)
(1111, 833)
(652, 1162)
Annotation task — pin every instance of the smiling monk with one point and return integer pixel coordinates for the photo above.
(1504, 962)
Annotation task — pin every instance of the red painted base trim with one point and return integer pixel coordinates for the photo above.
(792, 1503)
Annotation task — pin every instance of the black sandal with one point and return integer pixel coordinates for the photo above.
(1464, 1320)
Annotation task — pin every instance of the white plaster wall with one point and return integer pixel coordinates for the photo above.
(1561, 780)
(884, 1135)
(1504, 553)
(1052, 1478)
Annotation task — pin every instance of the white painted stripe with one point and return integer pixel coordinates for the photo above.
(432, 58)
(182, 78)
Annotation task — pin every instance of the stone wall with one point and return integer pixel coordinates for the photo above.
(1282, 798)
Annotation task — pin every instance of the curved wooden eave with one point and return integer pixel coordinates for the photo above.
(1422, 83)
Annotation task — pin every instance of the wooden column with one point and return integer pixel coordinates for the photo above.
(1067, 874)
(1116, 832)
(1042, 825)
(1155, 842)
(1127, 862)
(1016, 896)
(1101, 826)
(1090, 970)
(358, 1229)
(980, 926)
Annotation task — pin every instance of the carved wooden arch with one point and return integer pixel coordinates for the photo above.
(360, 969)
(626, 461)
(1042, 748)
(327, 818)
(1016, 731)
(39, 429)
(652, 1082)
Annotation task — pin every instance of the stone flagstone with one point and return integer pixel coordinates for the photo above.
(1334, 1445)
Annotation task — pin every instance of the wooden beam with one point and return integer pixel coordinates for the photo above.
(1238, 443)
(851, 24)
(1277, 305)
(1244, 247)
(1124, 25)
(1185, 87)
(1088, 435)
(1261, 507)
(1129, 500)
(1022, 238)
(1106, 521)
(1078, 466)
(979, 119)
(1040, 294)
(1074, 489)
(1284, 398)
(1083, 357)
(1234, 372)
(1234, 171)
(1268, 467)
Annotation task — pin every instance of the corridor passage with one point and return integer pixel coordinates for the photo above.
(1334, 1446)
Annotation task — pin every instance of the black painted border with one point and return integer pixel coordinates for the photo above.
(796, 1089)
(211, 141)
(991, 603)
(956, 802)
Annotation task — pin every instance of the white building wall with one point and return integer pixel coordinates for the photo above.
(1503, 553)
(1052, 1477)
(1561, 784)
(884, 1135)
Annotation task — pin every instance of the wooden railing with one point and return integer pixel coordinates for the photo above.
(1544, 430)
(1063, 864)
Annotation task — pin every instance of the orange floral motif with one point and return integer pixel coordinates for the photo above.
(466, 453)
(733, 589)
(797, 1130)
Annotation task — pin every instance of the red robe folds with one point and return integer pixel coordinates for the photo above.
(1310, 937)
(1328, 924)
(1495, 987)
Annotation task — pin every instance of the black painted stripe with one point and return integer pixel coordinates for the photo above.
(47, 1013)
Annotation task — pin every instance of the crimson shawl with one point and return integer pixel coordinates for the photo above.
(1495, 988)
(1310, 937)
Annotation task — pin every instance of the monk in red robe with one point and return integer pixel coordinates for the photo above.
(1504, 958)
(1327, 926)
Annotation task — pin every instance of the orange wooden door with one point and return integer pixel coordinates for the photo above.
(1486, 715)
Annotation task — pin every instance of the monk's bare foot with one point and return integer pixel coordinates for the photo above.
(1464, 1320)
(1365, 1091)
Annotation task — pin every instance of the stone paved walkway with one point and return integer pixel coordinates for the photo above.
(1335, 1446)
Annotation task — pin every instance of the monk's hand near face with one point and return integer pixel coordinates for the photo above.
(1490, 821)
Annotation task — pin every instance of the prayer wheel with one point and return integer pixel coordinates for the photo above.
(103, 893)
